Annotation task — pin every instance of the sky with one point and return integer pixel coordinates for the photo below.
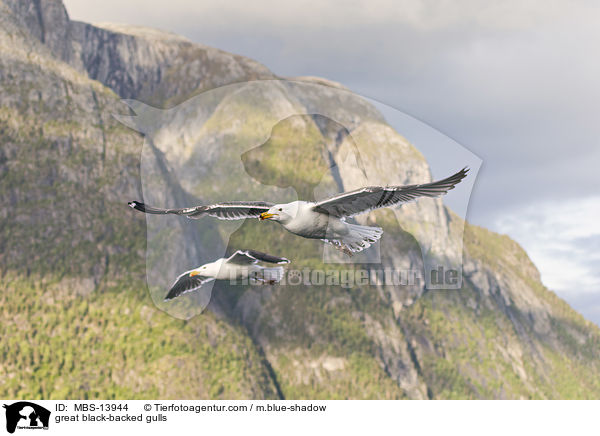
(516, 82)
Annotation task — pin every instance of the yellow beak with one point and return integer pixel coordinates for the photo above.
(194, 273)
(266, 215)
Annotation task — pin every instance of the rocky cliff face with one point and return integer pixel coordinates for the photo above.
(76, 318)
(146, 64)
(67, 169)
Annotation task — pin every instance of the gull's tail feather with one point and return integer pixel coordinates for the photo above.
(357, 239)
(361, 237)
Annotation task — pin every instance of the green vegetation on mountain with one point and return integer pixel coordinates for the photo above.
(115, 344)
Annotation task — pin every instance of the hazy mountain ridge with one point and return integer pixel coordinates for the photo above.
(504, 335)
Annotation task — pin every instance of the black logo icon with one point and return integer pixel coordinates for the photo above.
(24, 414)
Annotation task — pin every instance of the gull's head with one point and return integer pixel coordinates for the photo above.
(204, 270)
(280, 212)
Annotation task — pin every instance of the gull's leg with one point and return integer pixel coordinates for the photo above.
(258, 276)
(339, 246)
(261, 281)
(345, 250)
(335, 233)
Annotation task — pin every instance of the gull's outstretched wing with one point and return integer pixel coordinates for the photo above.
(374, 197)
(232, 210)
(186, 283)
(248, 257)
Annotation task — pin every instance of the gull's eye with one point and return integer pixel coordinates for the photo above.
(280, 209)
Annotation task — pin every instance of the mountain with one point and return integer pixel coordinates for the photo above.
(78, 318)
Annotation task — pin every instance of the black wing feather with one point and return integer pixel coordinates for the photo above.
(232, 210)
(186, 283)
(246, 257)
(267, 257)
(374, 197)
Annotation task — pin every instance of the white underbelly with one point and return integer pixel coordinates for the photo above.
(317, 226)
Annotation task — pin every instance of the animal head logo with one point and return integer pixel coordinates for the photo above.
(287, 140)
(26, 415)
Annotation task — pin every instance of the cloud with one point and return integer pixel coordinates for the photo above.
(510, 14)
(562, 239)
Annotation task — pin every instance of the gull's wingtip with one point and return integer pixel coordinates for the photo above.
(462, 173)
(136, 205)
(171, 295)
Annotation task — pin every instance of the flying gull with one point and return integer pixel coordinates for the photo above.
(326, 219)
(241, 265)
